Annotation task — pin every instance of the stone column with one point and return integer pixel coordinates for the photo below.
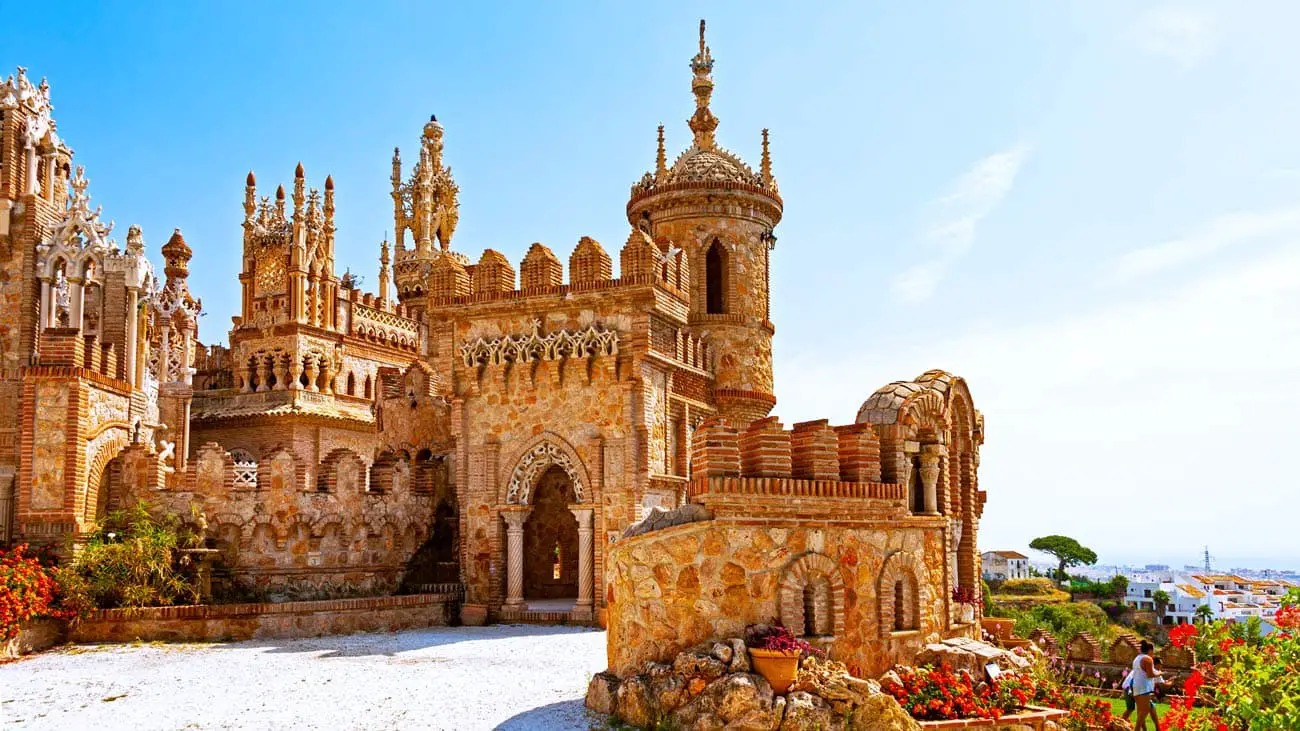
(76, 288)
(33, 179)
(586, 561)
(164, 354)
(47, 303)
(263, 373)
(132, 304)
(294, 373)
(514, 516)
(187, 370)
(280, 365)
(930, 457)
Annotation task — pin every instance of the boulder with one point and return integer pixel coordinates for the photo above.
(805, 711)
(739, 656)
(723, 652)
(667, 689)
(633, 704)
(831, 681)
(738, 698)
(600, 692)
(691, 664)
(882, 713)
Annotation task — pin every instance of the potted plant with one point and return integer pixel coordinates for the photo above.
(965, 596)
(775, 653)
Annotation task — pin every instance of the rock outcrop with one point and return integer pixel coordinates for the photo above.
(711, 686)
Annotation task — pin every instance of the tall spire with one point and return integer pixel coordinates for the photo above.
(765, 164)
(703, 123)
(661, 159)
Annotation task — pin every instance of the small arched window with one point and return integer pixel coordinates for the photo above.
(352, 384)
(715, 279)
(817, 608)
(367, 393)
(900, 607)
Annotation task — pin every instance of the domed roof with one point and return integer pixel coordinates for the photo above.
(698, 165)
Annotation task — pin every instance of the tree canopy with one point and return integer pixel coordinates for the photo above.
(1067, 551)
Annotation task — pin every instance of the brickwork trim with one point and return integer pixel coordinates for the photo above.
(799, 575)
(546, 450)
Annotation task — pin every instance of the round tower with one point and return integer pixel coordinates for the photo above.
(721, 214)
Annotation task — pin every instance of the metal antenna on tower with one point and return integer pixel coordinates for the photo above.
(1207, 560)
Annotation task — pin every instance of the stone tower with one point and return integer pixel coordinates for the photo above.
(426, 207)
(712, 208)
(288, 273)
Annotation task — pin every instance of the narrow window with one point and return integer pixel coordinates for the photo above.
(900, 604)
(352, 384)
(555, 568)
(715, 279)
(367, 394)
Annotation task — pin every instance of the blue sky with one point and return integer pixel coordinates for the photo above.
(1088, 209)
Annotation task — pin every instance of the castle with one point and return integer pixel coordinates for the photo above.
(465, 424)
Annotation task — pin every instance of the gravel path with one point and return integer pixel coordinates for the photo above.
(506, 677)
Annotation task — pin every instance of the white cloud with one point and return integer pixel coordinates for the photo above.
(1168, 409)
(1183, 34)
(1218, 234)
(955, 218)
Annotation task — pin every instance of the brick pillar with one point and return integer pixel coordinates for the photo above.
(816, 451)
(765, 449)
(859, 453)
(715, 449)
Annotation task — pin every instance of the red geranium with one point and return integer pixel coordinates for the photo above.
(27, 590)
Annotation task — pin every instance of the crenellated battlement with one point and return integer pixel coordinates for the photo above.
(643, 261)
(813, 451)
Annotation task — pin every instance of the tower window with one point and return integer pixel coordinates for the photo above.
(715, 279)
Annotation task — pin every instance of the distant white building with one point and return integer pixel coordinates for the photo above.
(1227, 595)
(1003, 565)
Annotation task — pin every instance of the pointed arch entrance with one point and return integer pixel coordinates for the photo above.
(548, 518)
(551, 540)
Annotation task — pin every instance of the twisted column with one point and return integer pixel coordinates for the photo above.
(514, 519)
(585, 559)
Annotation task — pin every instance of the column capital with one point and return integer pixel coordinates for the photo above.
(515, 515)
(583, 512)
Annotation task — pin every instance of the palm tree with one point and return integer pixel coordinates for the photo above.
(1203, 613)
(1161, 599)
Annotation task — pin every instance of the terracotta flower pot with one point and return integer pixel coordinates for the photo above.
(779, 667)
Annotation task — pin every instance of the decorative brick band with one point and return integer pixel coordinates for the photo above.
(795, 488)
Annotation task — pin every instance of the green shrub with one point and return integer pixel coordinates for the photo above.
(1063, 620)
(132, 559)
(1027, 587)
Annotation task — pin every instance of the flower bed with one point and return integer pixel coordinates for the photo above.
(1246, 680)
(28, 591)
(956, 699)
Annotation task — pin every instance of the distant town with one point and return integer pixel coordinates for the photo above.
(1177, 595)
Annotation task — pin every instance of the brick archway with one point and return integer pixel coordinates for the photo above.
(901, 581)
(812, 582)
(546, 451)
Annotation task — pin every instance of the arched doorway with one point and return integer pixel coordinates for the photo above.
(551, 539)
(111, 491)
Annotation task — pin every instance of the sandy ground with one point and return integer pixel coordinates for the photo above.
(506, 677)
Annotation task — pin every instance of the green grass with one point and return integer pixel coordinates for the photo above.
(1117, 707)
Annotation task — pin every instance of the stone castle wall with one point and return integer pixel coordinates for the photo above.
(669, 590)
(280, 532)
